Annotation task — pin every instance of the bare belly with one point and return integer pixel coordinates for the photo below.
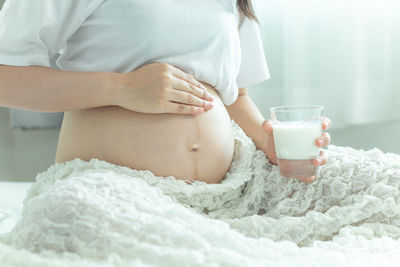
(198, 147)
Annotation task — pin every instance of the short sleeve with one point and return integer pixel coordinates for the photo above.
(33, 31)
(253, 66)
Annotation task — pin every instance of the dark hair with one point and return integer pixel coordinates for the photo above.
(245, 8)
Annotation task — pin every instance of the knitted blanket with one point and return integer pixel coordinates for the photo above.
(95, 213)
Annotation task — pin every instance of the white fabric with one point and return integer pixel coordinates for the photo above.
(98, 212)
(11, 197)
(342, 54)
(199, 37)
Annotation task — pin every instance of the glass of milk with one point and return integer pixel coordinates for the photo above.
(296, 129)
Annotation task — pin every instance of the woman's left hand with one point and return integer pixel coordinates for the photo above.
(323, 140)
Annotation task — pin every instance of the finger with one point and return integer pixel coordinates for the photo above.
(186, 93)
(322, 158)
(266, 125)
(324, 139)
(180, 108)
(200, 89)
(274, 161)
(326, 123)
(181, 97)
(182, 85)
(308, 179)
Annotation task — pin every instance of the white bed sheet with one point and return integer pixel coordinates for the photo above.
(12, 195)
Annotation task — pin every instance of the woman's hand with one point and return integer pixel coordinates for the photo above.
(323, 140)
(162, 88)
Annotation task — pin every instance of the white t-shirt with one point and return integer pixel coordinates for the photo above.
(198, 36)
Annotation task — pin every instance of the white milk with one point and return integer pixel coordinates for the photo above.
(296, 140)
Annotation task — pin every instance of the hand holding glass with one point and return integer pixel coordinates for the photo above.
(295, 129)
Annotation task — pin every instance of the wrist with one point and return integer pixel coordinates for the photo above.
(260, 136)
(114, 84)
(261, 141)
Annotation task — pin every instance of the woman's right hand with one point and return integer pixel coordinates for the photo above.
(162, 88)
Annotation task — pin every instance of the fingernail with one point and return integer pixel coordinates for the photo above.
(321, 142)
(319, 161)
(198, 110)
(210, 97)
(209, 104)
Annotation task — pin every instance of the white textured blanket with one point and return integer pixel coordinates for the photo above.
(98, 214)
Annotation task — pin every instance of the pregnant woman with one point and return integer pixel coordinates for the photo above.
(151, 85)
(154, 86)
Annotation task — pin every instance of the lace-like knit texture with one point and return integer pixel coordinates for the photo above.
(98, 210)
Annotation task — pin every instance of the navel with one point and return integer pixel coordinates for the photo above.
(195, 156)
(195, 148)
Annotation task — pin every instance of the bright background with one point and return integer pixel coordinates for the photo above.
(342, 54)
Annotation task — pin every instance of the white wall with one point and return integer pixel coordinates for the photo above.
(384, 136)
(23, 154)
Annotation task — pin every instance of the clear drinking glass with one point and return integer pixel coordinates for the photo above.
(295, 130)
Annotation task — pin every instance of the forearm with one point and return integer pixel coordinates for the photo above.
(44, 89)
(246, 114)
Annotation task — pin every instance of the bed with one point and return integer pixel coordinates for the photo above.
(95, 213)
(11, 198)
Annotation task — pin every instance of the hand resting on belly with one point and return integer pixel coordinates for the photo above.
(186, 146)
